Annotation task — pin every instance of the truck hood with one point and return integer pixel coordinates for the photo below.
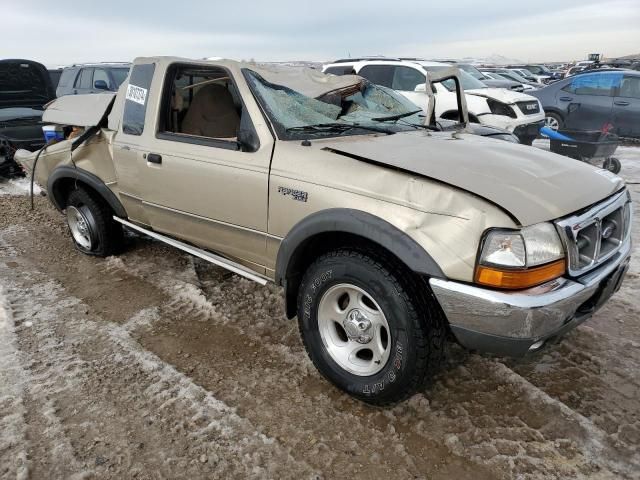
(531, 184)
(501, 94)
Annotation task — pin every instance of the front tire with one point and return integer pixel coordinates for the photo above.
(367, 328)
(553, 121)
(90, 222)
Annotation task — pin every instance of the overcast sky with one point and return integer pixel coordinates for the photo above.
(59, 32)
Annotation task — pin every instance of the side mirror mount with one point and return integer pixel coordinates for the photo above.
(248, 140)
(100, 85)
(453, 73)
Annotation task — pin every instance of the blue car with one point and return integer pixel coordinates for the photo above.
(594, 101)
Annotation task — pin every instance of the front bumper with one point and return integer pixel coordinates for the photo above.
(523, 126)
(528, 130)
(515, 323)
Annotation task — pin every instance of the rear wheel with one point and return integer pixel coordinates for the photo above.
(91, 225)
(612, 164)
(369, 330)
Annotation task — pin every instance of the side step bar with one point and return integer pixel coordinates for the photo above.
(197, 252)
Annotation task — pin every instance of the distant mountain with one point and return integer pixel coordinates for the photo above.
(630, 57)
(494, 59)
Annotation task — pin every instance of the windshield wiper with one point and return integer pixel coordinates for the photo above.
(336, 127)
(395, 117)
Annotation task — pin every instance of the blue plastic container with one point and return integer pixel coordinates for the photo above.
(53, 133)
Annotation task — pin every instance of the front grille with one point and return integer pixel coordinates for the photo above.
(529, 108)
(594, 236)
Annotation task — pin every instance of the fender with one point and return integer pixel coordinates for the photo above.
(346, 220)
(66, 172)
(359, 223)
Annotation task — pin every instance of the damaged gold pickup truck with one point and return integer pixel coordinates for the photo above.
(388, 236)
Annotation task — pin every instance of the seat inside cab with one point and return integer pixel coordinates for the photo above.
(202, 102)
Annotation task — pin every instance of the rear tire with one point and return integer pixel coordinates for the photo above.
(613, 165)
(368, 327)
(92, 228)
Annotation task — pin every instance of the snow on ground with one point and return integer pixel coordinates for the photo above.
(155, 364)
(17, 186)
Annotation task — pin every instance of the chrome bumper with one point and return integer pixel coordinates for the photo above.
(515, 323)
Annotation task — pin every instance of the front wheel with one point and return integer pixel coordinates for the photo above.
(91, 225)
(553, 121)
(369, 330)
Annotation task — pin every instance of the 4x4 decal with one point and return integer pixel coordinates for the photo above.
(295, 194)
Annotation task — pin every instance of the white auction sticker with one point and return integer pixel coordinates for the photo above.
(136, 94)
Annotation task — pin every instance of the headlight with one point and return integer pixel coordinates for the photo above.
(499, 108)
(520, 258)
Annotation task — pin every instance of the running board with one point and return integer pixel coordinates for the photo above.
(197, 252)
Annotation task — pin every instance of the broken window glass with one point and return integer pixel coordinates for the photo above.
(362, 106)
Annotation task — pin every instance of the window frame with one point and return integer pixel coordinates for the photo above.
(347, 69)
(164, 110)
(378, 65)
(613, 90)
(93, 77)
(619, 89)
(417, 71)
(78, 83)
(124, 123)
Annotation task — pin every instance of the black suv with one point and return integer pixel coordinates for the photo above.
(92, 78)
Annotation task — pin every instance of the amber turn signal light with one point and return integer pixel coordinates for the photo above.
(517, 279)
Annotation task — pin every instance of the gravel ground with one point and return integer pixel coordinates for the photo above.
(154, 364)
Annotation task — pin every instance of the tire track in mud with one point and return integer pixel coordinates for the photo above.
(13, 377)
(120, 410)
(510, 422)
(596, 376)
(241, 359)
(481, 409)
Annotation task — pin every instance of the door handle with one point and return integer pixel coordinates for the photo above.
(566, 99)
(154, 158)
(621, 103)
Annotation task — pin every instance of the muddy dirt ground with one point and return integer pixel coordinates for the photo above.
(156, 365)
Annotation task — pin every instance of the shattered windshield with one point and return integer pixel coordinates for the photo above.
(358, 109)
(468, 82)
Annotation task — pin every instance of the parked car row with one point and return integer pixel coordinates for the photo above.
(27, 86)
(510, 110)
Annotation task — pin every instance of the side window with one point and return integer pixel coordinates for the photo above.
(67, 77)
(378, 74)
(630, 87)
(407, 78)
(201, 105)
(341, 70)
(599, 84)
(100, 74)
(135, 105)
(84, 79)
